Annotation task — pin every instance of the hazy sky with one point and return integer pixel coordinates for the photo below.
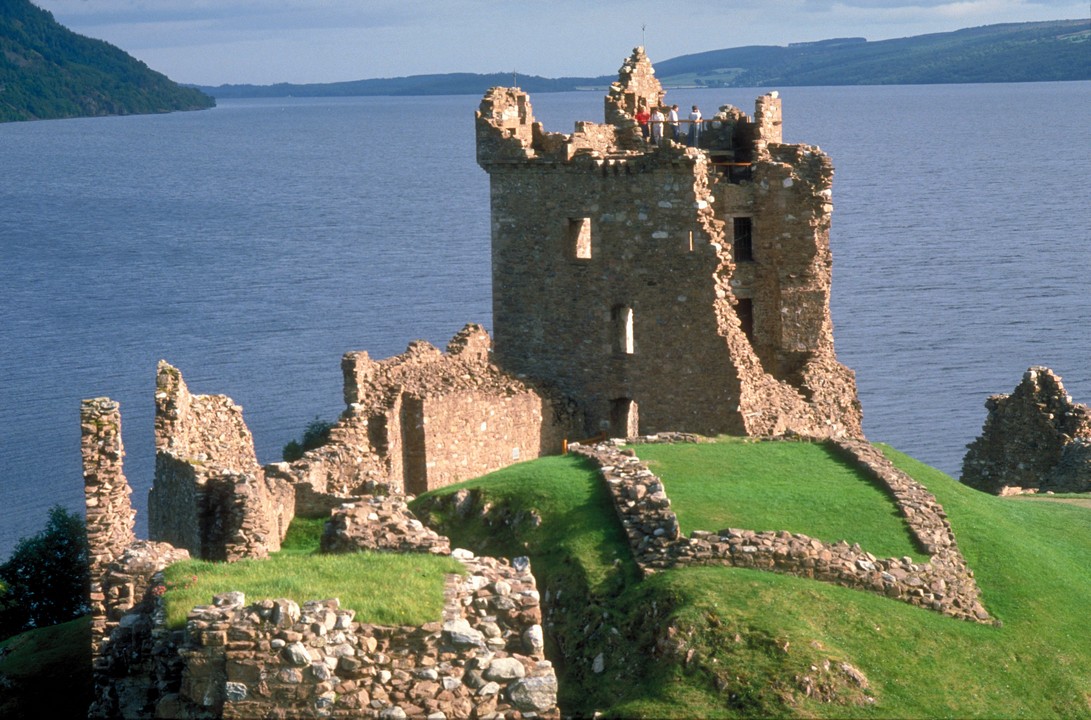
(210, 42)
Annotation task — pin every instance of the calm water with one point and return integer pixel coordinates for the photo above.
(253, 244)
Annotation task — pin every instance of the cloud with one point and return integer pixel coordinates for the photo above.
(265, 41)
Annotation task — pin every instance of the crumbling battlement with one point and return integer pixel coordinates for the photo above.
(210, 496)
(666, 286)
(1035, 439)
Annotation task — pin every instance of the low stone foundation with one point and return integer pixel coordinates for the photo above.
(272, 659)
(944, 583)
(380, 523)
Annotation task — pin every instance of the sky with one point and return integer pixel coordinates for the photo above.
(213, 42)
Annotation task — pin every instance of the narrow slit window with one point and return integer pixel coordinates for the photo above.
(622, 317)
(744, 245)
(579, 238)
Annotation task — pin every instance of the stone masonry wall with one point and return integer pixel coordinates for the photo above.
(615, 276)
(274, 659)
(210, 496)
(380, 523)
(110, 514)
(435, 418)
(1035, 439)
(944, 583)
(121, 568)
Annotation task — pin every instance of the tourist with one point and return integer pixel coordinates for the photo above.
(672, 118)
(657, 125)
(694, 126)
(642, 118)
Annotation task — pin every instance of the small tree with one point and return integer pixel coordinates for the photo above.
(46, 580)
(316, 434)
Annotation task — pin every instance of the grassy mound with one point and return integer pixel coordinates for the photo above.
(800, 487)
(728, 642)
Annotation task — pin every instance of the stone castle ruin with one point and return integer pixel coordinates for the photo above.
(1034, 440)
(640, 285)
(665, 287)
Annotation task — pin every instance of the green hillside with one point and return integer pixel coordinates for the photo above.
(48, 71)
(716, 642)
(727, 642)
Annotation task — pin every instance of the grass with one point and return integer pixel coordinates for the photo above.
(46, 673)
(716, 642)
(566, 490)
(383, 588)
(752, 637)
(801, 487)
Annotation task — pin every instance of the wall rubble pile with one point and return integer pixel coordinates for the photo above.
(1034, 440)
(380, 523)
(944, 583)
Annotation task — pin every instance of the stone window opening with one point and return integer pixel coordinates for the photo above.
(621, 317)
(624, 418)
(744, 309)
(579, 238)
(743, 239)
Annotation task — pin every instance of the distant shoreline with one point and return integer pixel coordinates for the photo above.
(1014, 52)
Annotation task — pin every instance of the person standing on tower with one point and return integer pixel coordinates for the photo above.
(657, 125)
(642, 118)
(694, 126)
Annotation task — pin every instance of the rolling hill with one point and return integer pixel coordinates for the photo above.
(1020, 52)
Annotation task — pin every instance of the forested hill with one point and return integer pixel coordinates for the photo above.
(48, 71)
(1021, 52)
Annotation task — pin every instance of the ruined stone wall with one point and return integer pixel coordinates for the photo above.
(944, 583)
(272, 658)
(209, 495)
(1035, 439)
(615, 276)
(435, 418)
(121, 568)
(110, 514)
(380, 523)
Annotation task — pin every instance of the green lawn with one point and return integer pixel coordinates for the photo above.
(715, 642)
(751, 638)
(383, 588)
(801, 487)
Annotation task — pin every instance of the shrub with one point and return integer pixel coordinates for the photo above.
(316, 434)
(46, 580)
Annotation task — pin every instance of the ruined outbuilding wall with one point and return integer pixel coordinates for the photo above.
(210, 496)
(616, 276)
(1035, 439)
(434, 418)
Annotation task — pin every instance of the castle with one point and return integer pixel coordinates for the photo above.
(640, 285)
(663, 286)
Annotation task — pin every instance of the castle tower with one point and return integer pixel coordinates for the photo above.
(661, 286)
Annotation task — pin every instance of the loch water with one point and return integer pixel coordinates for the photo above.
(253, 244)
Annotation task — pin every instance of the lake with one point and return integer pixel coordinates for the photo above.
(253, 244)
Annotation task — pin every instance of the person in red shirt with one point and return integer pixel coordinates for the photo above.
(642, 117)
